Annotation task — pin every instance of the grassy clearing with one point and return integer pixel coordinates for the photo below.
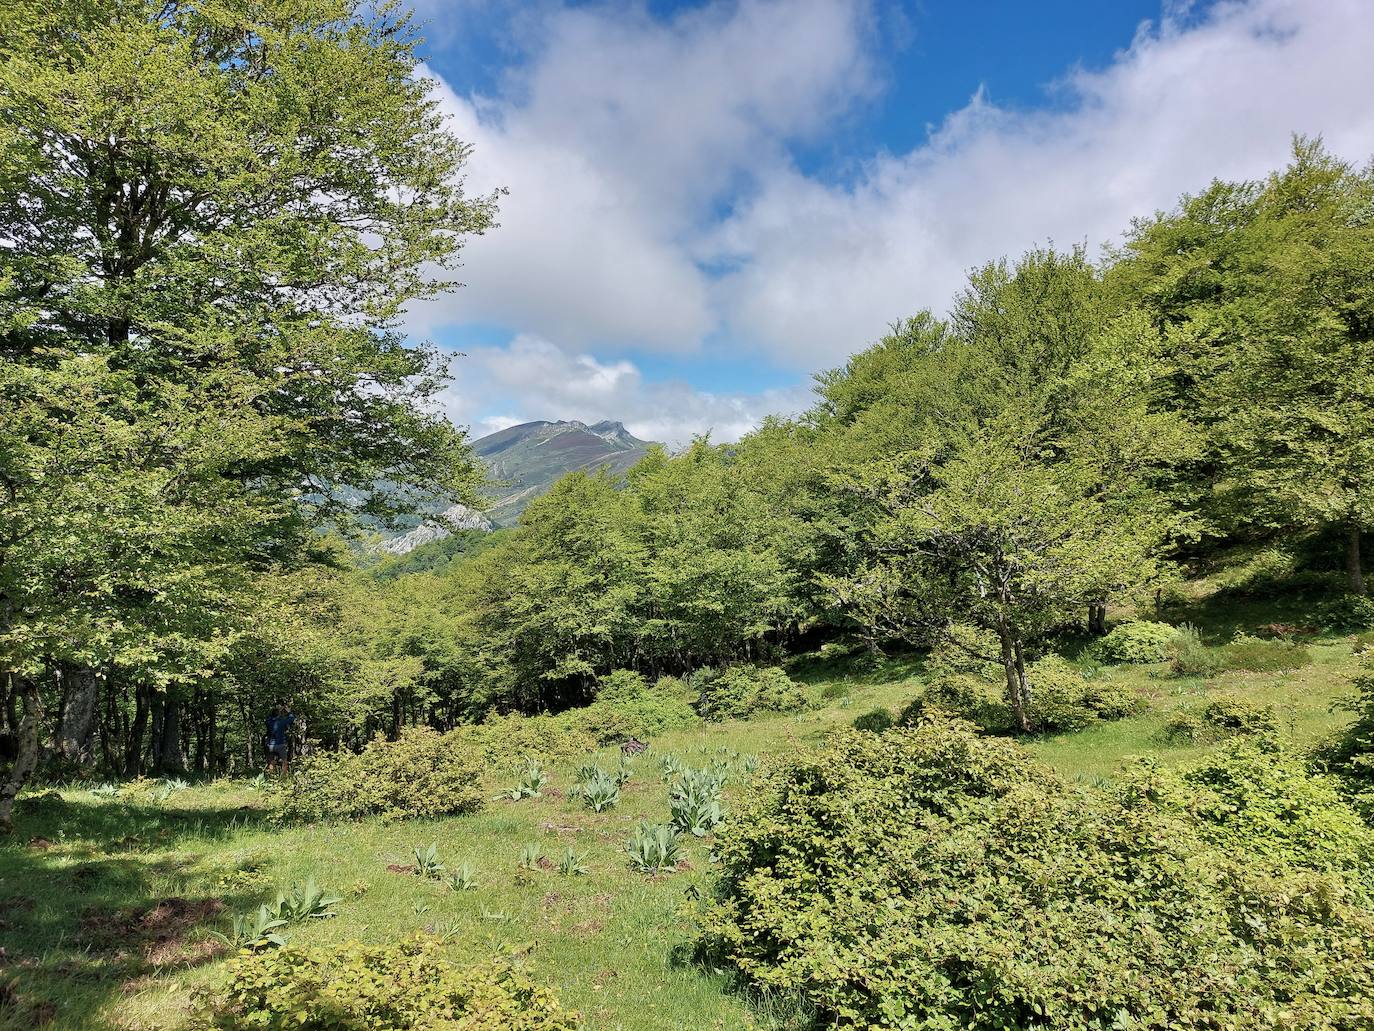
(106, 903)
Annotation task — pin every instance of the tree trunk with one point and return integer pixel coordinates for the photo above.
(26, 758)
(1354, 567)
(1013, 664)
(1097, 618)
(170, 757)
(78, 714)
(133, 749)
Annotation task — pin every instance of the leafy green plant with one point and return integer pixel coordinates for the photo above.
(355, 987)
(1218, 719)
(421, 774)
(253, 930)
(653, 848)
(530, 855)
(670, 766)
(1257, 655)
(875, 721)
(106, 790)
(532, 781)
(624, 770)
(169, 786)
(427, 863)
(695, 801)
(572, 864)
(463, 879)
(1139, 641)
(600, 791)
(306, 902)
(1189, 657)
(746, 690)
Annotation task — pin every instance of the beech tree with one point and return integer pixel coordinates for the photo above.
(213, 215)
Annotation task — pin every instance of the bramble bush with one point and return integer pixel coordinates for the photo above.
(421, 774)
(933, 878)
(1139, 641)
(401, 987)
(638, 716)
(745, 690)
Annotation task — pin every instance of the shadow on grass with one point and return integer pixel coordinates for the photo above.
(98, 898)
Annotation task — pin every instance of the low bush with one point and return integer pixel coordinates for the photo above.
(1262, 570)
(421, 774)
(641, 716)
(508, 741)
(1345, 613)
(1219, 719)
(1140, 641)
(621, 685)
(1351, 754)
(933, 878)
(1256, 655)
(1254, 797)
(875, 721)
(401, 987)
(1189, 657)
(747, 690)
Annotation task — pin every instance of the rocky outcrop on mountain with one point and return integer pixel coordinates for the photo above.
(459, 517)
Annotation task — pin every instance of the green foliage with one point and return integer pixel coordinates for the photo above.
(573, 864)
(741, 691)
(421, 774)
(875, 721)
(1140, 641)
(530, 856)
(427, 863)
(532, 781)
(506, 740)
(1265, 570)
(1345, 613)
(598, 790)
(932, 878)
(621, 685)
(1218, 719)
(653, 848)
(1189, 657)
(694, 800)
(463, 879)
(644, 717)
(354, 987)
(1257, 655)
(306, 901)
(255, 930)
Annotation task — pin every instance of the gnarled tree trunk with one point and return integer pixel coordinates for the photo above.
(26, 758)
(78, 714)
(1014, 666)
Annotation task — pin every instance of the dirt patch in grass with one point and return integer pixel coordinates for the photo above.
(156, 936)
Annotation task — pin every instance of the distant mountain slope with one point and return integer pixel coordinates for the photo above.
(525, 460)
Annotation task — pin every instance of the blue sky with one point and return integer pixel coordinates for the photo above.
(710, 201)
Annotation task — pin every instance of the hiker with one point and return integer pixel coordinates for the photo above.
(278, 749)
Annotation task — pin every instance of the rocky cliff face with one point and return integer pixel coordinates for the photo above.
(523, 462)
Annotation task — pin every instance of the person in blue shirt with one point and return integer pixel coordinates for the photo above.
(278, 746)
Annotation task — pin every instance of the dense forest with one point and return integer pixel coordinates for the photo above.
(211, 226)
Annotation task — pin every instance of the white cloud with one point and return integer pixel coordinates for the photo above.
(616, 139)
(824, 270)
(641, 154)
(544, 381)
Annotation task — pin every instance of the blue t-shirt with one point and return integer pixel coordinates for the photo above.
(277, 726)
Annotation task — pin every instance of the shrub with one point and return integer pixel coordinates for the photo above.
(1261, 571)
(421, 774)
(1256, 655)
(1189, 657)
(875, 721)
(1345, 613)
(747, 690)
(644, 716)
(933, 878)
(509, 740)
(1219, 719)
(1140, 641)
(357, 987)
(621, 685)
(1351, 754)
(1253, 796)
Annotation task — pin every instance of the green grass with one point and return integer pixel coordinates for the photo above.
(82, 875)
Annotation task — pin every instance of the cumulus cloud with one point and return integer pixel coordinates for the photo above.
(822, 269)
(616, 138)
(543, 381)
(655, 203)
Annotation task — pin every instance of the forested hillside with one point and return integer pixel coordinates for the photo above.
(1099, 507)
